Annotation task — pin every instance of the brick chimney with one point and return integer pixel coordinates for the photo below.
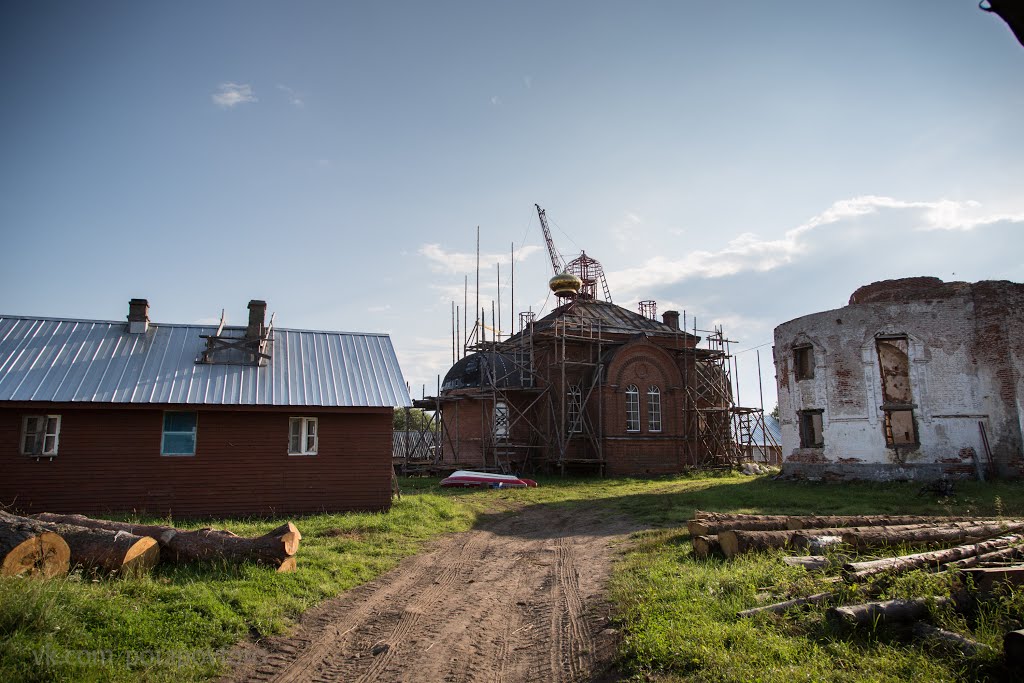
(257, 318)
(138, 316)
(671, 318)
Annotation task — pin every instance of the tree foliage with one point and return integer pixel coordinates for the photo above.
(419, 420)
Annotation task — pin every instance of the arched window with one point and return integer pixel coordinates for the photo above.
(632, 409)
(575, 413)
(653, 409)
(500, 420)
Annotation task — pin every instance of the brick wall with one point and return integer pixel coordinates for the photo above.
(109, 461)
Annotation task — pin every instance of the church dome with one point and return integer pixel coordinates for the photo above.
(565, 284)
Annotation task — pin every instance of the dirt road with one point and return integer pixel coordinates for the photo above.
(518, 598)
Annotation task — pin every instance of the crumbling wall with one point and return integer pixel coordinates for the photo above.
(904, 375)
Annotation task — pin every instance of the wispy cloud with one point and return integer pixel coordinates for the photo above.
(442, 261)
(527, 81)
(624, 231)
(495, 100)
(749, 252)
(230, 95)
(293, 97)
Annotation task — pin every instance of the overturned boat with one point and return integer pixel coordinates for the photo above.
(470, 479)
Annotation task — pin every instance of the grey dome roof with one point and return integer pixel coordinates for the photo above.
(477, 369)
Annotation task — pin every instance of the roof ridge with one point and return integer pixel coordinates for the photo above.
(60, 319)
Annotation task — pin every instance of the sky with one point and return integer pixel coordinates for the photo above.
(745, 162)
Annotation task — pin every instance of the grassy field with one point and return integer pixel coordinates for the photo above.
(677, 613)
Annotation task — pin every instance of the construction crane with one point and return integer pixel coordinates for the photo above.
(556, 261)
(587, 269)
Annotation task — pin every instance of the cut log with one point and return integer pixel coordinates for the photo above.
(831, 521)
(109, 551)
(877, 537)
(706, 546)
(885, 611)
(968, 647)
(736, 542)
(987, 579)
(812, 563)
(1010, 554)
(716, 523)
(859, 571)
(205, 545)
(29, 549)
(780, 607)
(1013, 650)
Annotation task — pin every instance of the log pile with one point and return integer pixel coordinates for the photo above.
(988, 553)
(48, 545)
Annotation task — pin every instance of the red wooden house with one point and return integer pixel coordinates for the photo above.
(99, 416)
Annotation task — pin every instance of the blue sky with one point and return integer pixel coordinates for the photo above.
(747, 162)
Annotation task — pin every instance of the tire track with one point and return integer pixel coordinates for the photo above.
(506, 602)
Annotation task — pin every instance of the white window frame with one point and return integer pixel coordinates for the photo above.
(653, 408)
(500, 420)
(305, 432)
(575, 411)
(163, 434)
(50, 429)
(632, 408)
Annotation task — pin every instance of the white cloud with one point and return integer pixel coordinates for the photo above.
(527, 81)
(750, 253)
(442, 261)
(624, 232)
(232, 94)
(495, 100)
(293, 97)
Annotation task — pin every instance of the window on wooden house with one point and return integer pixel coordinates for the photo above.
(500, 420)
(575, 409)
(303, 437)
(803, 362)
(811, 431)
(632, 409)
(179, 435)
(653, 409)
(40, 434)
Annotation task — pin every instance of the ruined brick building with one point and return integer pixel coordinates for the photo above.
(915, 378)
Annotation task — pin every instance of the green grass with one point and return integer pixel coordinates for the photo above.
(677, 613)
(175, 624)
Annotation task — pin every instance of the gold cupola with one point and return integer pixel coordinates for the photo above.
(565, 285)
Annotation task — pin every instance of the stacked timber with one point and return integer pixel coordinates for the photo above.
(276, 548)
(49, 545)
(735, 534)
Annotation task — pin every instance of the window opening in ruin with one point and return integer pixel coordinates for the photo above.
(897, 397)
(811, 432)
(500, 420)
(575, 409)
(632, 409)
(653, 409)
(899, 428)
(803, 362)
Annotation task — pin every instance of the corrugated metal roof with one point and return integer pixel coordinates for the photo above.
(52, 359)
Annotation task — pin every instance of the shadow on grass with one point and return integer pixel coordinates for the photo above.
(670, 502)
